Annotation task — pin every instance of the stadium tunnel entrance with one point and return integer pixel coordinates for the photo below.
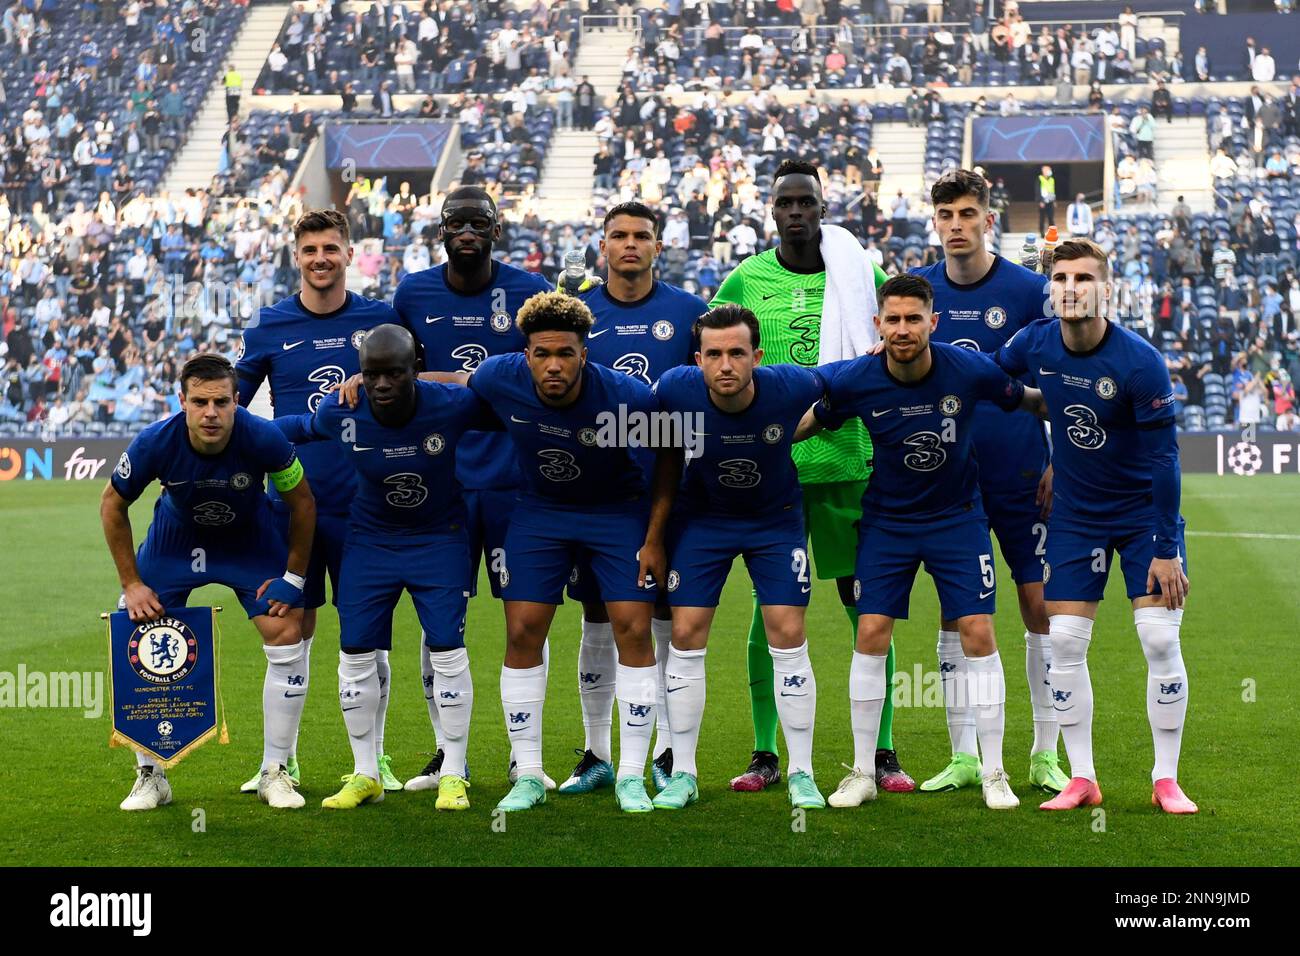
(1021, 181)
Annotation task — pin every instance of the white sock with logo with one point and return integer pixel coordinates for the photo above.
(987, 694)
(453, 687)
(956, 705)
(1038, 659)
(597, 661)
(662, 632)
(1157, 628)
(684, 677)
(523, 696)
(795, 688)
(430, 695)
(306, 669)
(359, 701)
(284, 691)
(866, 702)
(381, 715)
(635, 689)
(1072, 690)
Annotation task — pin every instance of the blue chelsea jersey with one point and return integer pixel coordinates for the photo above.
(643, 339)
(456, 332)
(921, 432)
(304, 355)
(223, 493)
(983, 316)
(744, 468)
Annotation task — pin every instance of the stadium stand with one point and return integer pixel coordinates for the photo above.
(108, 284)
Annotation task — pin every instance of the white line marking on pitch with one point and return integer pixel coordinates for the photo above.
(1242, 534)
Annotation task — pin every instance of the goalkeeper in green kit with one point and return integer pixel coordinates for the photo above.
(815, 302)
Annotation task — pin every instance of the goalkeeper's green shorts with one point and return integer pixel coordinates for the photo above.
(831, 513)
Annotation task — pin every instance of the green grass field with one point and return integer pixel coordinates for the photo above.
(62, 782)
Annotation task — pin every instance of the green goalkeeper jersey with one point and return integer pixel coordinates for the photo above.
(789, 309)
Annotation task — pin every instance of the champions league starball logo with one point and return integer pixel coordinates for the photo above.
(163, 651)
(1245, 458)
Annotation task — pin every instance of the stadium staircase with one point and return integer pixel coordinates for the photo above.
(1183, 161)
(564, 191)
(900, 148)
(197, 163)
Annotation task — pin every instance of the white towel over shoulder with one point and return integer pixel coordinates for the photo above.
(849, 307)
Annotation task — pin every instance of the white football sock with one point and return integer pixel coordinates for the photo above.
(144, 760)
(866, 701)
(430, 695)
(685, 677)
(597, 661)
(453, 688)
(1157, 628)
(385, 688)
(635, 689)
(1072, 690)
(1038, 658)
(795, 688)
(662, 632)
(523, 694)
(987, 694)
(359, 701)
(306, 669)
(284, 691)
(952, 676)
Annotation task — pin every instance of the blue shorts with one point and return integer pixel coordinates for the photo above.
(174, 560)
(326, 554)
(701, 549)
(1079, 557)
(956, 551)
(544, 545)
(433, 568)
(488, 511)
(1021, 533)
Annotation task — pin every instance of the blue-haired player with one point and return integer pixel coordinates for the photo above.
(461, 313)
(739, 497)
(406, 532)
(583, 497)
(642, 328)
(213, 524)
(918, 400)
(303, 347)
(1115, 451)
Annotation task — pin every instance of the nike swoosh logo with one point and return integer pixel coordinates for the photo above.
(292, 345)
(346, 709)
(427, 697)
(429, 320)
(515, 730)
(878, 414)
(445, 706)
(287, 694)
(646, 724)
(1178, 701)
(804, 590)
(592, 335)
(520, 421)
(984, 594)
(363, 447)
(677, 688)
(174, 484)
(784, 694)
(772, 296)
(1043, 371)
(1061, 710)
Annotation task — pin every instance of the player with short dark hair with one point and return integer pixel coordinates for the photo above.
(213, 524)
(303, 347)
(983, 300)
(583, 495)
(922, 506)
(740, 497)
(461, 313)
(406, 532)
(786, 288)
(1117, 490)
(642, 328)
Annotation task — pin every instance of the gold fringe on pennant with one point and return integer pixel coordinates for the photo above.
(216, 674)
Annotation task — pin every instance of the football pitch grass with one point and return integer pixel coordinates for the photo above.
(62, 783)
